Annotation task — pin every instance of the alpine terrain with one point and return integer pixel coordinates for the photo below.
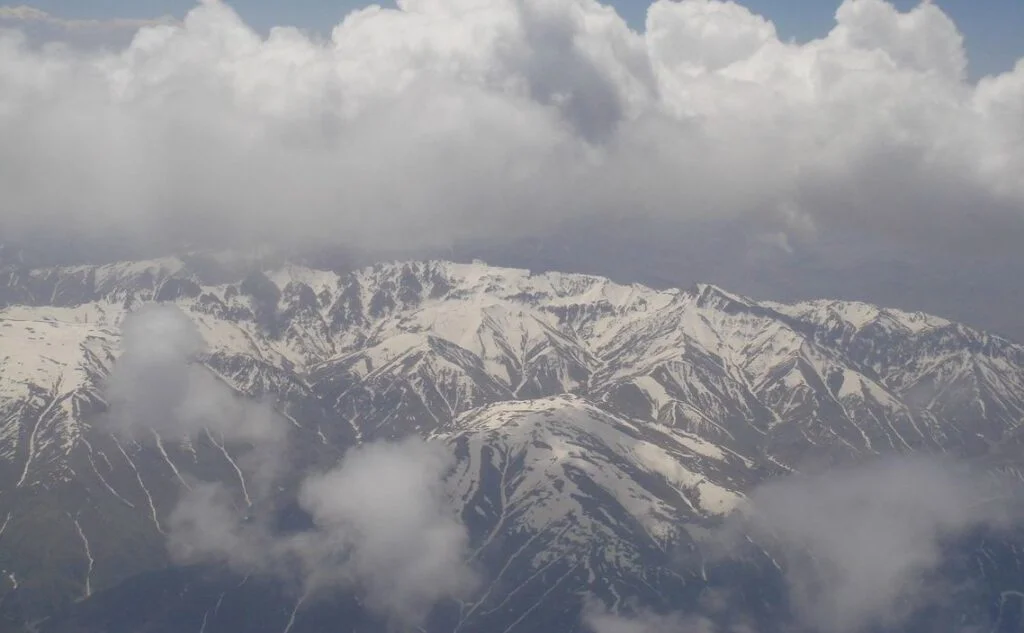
(600, 432)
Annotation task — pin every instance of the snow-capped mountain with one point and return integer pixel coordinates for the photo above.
(599, 428)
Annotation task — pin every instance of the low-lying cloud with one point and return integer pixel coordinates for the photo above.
(381, 523)
(157, 384)
(599, 620)
(387, 508)
(859, 548)
(382, 526)
(860, 545)
(441, 120)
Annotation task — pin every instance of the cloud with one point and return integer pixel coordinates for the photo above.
(436, 122)
(860, 548)
(23, 13)
(382, 523)
(860, 545)
(386, 508)
(206, 527)
(599, 620)
(158, 388)
(382, 526)
(157, 384)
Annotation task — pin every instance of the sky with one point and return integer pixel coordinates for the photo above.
(991, 28)
(869, 163)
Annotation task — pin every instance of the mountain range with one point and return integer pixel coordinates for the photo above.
(599, 433)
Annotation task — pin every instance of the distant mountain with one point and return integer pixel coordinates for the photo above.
(600, 429)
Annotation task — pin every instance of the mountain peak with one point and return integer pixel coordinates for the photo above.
(710, 295)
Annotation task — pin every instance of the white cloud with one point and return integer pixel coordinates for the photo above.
(156, 384)
(442, 120)
(861, 546)
(696, 38)
(383, 527)
(386, 507)
(924, 39)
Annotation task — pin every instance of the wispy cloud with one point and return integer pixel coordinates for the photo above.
(23, 13)
(599, 620)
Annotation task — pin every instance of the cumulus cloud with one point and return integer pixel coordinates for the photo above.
(438, 121)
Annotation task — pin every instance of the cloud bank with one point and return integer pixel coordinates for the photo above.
(381, 522)
(443, 120)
